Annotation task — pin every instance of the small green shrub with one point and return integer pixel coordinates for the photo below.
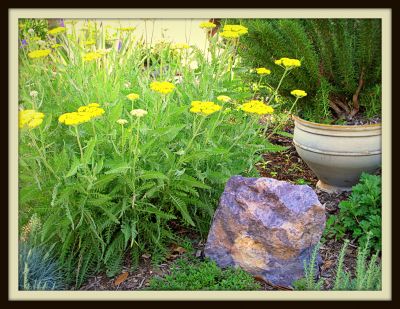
(308, 283)
(360, 214)
(37, 270)
(192, 275)
(367, 277)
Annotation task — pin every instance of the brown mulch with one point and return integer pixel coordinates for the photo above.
(287, 166)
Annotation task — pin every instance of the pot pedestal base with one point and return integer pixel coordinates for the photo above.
(331, 189)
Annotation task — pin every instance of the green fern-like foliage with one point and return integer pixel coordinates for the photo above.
(333, 52)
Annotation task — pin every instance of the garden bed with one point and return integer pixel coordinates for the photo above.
(286, 166)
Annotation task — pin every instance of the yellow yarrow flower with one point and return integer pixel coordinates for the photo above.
(207, 25)
(298, 93)
(233, 31)
(229, 34)
(180, 46)
(74, 118)
(56, 31)
(39, 53)
(204, 108)
(224, 98)
(89, 42)
(162, 87)
(288, 62)
(122, 121)
(92, 109)
(263, 71)
(133, 96)
(30, 118)
(256, 107)
(138, 113)
(91, 56)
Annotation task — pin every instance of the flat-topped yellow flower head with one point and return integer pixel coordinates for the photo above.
(162, 87)
(133, 96)
(298, 93)
(30, 119)
(91, 56)
(207, 25)
(288, 63)
(40, 53)
(263, 71)
(256, 107)
(233, 31)
(224, 98)
(56, 31)
(204, 108)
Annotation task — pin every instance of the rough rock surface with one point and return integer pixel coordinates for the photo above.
(267, 227)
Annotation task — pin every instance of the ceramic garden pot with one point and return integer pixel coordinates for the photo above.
(338, 154)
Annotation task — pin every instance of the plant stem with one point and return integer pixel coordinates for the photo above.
(79, 142)
(42, 156)
(280, 122)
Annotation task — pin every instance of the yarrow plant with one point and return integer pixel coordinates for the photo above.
(114, 175)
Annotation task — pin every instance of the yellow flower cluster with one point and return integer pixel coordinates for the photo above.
(288, 62)
(180, 46)
(263, 71)
(298, 93)
(30, 118)
(40, 53)
(56, 31)
(92, 56)
(56, 45)
(207, 25)
(233, 31)
(133, 96)
(84, 114)
(224, 98)
(89, 42)
(162, 87)
(138, 112)
(256, 107)
(204, 108)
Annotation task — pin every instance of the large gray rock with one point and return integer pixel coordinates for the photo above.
(267, 227)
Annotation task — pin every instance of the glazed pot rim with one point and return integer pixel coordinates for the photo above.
(335, 126)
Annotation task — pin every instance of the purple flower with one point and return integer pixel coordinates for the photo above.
(24, 43)
(62, 23)
(119, 45)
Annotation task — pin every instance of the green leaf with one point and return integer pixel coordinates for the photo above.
(120, 168)
(74, 167)
(116, 111)
(193, 182)
(181, 206)
(89, 150)
(153, 210)
(152, 175)
(286, 134)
